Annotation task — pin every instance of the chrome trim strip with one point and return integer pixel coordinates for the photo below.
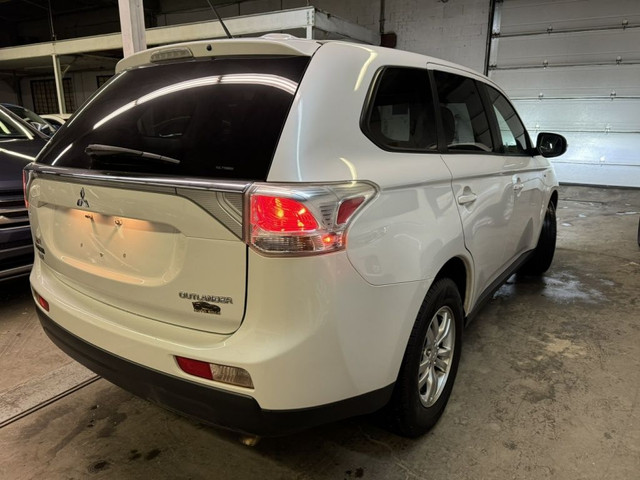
(11, 198)
(79, 174)
(15, 272)
(23, 219)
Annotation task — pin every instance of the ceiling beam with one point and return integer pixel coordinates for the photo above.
(300, 18)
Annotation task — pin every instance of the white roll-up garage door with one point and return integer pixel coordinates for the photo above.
(573, 67)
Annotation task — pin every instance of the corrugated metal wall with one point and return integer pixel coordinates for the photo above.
(573, 67)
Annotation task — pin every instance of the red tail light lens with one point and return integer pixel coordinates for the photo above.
(24, 188)
(275, 214)
(303, 219)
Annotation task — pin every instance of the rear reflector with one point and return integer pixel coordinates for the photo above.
(195, 367)
(212, 371)
(348, 208)
(41, 301)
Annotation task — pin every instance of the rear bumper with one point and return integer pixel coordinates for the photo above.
(210, 405)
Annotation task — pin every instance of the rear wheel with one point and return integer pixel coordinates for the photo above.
(542, 256)
(430, 362)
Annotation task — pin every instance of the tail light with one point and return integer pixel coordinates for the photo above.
(303, 220)
(26, 177)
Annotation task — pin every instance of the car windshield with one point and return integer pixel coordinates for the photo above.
(11, 129)
(218, 117)
(26, 114)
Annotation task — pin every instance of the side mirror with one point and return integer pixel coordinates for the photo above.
(551, 144)
(48, 130)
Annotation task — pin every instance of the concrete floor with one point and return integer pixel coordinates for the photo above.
(548, 387)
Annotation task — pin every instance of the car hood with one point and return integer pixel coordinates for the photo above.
(14, 156)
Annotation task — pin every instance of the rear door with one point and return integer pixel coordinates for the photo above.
(527, 174)
(482, 181)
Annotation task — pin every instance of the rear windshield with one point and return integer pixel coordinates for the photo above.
(218, 118)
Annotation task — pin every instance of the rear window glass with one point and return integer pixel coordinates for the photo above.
(464, 120)
(401, 117)
(218, 118)
(512, 132)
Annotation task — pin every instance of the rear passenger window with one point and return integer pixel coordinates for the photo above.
(464, 120)
(400, 116)
(513, 133)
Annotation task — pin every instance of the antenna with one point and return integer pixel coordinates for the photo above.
(226, 30)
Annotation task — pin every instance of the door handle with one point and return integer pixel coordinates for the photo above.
(517, 183)
(467, 198)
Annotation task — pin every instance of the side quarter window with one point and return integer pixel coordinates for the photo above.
(464, 120)
(512, 131)
(400, 115)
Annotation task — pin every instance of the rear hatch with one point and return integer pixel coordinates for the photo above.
(137, 201)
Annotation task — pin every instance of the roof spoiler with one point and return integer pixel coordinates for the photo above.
(272, 44)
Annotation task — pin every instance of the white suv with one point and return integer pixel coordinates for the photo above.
(269, 234)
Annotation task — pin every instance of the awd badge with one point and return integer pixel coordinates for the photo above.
(206, 307)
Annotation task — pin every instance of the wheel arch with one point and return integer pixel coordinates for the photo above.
(457, 270)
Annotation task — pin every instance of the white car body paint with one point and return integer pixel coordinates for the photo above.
(310, 330)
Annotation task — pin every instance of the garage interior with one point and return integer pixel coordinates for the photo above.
(549, 380)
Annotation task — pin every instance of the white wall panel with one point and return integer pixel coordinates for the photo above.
(573, 67)
(598, 158)
(603, 137)
(574, 82)
(581, 115)
(571, 48)
(589, 174)
(529, 16)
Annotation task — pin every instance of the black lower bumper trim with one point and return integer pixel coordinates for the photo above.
(206, 404)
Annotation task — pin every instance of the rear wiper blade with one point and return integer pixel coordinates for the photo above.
(97, 150)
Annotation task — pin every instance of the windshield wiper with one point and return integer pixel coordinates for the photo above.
(97, 150)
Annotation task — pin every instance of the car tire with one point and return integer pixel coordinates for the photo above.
(427, 374)
(542, 256)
